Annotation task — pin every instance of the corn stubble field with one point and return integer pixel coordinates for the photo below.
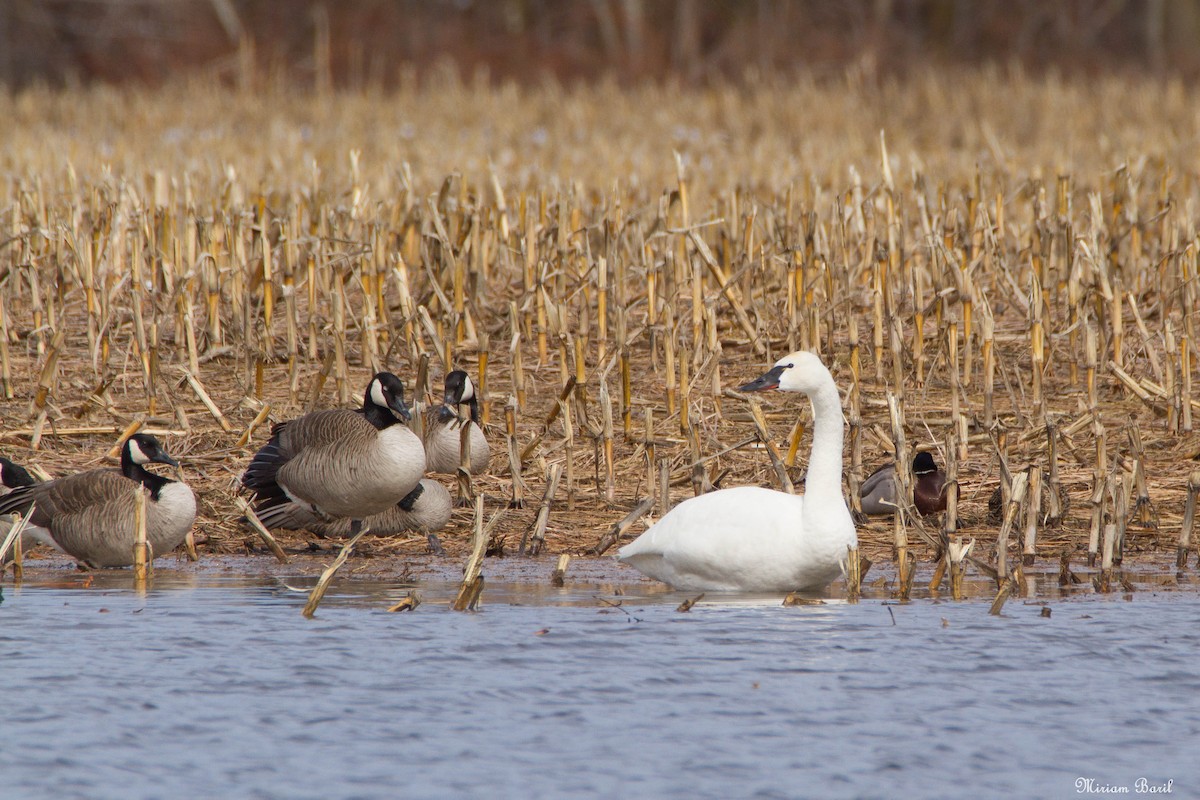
(996, 267)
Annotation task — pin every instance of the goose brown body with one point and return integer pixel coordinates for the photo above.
(429, 512)
(90, 515)
(341, 463)
(320, 472)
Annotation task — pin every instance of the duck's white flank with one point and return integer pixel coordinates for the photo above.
(754, 539)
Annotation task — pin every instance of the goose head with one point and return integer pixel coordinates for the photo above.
(14, 475)
(460, 389)
(800, 371)
(141, 449)
(385, 396)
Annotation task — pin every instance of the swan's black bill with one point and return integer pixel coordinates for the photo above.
(768, 380)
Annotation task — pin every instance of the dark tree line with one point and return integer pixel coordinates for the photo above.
(355, 42)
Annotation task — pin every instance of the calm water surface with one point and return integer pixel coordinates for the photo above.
(212, 688)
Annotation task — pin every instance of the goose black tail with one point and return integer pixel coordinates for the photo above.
(259, 477)
(14, 475)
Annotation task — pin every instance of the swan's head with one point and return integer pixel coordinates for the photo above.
(800, 371)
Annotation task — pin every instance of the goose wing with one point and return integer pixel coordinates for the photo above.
(69, 495)
(89, 515)
(309, 438)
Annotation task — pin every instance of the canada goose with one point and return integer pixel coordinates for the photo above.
(429, 512)
(90, 515)
(443, 428)
(339, 462)
(754, 539)
(878, 491)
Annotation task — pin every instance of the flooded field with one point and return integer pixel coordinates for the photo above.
(212, 685)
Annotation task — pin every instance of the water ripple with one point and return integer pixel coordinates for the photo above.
(227, 691)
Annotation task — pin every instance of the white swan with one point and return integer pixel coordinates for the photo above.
(754, 539)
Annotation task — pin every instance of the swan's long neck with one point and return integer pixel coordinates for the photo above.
(824, 481)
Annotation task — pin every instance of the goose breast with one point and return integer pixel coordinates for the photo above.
(443, 445)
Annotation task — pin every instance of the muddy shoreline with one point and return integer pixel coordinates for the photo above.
(1145, 572)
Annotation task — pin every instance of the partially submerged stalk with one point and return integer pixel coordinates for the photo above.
(318, 592)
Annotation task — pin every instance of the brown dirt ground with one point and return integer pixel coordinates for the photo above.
(579, 515)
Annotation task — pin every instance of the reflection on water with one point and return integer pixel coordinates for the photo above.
(219, 688)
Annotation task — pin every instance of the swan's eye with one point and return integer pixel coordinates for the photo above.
(789, 366)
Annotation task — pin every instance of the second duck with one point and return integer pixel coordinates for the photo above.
(878, 491)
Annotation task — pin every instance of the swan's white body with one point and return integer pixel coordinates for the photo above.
(754, 539)
(742, 539)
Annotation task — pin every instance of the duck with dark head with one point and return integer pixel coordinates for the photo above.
(878, 491)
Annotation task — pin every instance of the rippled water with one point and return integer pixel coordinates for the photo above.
(209, 688)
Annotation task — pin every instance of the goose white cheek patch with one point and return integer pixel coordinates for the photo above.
(468, 390)
(377, 396)
(135, 453)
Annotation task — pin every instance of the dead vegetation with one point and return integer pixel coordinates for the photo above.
(998, 269)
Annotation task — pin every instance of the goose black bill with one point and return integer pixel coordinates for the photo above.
(396, 404)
